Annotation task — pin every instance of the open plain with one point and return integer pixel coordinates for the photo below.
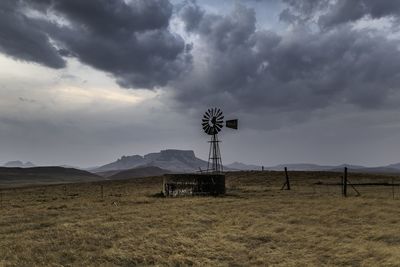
(255, 223)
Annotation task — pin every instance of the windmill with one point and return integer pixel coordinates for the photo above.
(213, 122)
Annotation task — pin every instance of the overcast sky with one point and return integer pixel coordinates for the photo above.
(85, 82)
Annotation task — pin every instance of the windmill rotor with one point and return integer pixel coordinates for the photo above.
(212, 123)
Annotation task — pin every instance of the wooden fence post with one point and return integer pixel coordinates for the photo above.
(287, 179)
(344, 182)
(287, 183)
(393, 187)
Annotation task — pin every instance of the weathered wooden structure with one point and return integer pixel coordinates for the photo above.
(192, 184)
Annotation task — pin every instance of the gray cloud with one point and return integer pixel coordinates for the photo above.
(191, 13)
(347, 11)
(131, 40)
(330, 13)
(297, 72)
(233, 60)
(300, 12)
(113, 17)
(21, 39)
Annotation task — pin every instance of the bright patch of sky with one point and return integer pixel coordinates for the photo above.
(267, 12)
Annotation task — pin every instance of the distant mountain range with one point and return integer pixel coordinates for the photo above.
(19, 164)
(243, 167)
(18, 173)
(312, 167)
(181, 161)
(175, 160)
(172, 160)
(392, 168)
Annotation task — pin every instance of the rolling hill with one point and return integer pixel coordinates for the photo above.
(43, 175)
(147, 171)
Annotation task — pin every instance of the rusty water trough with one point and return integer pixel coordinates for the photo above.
(193, 184)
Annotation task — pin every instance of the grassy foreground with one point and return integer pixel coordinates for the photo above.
(254, 224)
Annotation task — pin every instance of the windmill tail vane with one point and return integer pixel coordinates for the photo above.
(213, 122)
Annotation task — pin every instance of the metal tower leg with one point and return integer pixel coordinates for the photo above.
(214, 155)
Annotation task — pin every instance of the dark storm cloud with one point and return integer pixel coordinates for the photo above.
(301, 11)
(191, 13)
(329, 14)
(233, 61)
(303, 70)
(347, 11)
(112, 17)
(21, 39)
(131, 40)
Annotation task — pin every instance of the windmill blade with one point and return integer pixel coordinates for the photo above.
(233, 124)
(208, 129)
(204, 120)
(219, 113)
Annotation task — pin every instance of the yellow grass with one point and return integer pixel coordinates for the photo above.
(255, 224)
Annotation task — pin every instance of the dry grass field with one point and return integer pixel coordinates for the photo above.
(254, 224)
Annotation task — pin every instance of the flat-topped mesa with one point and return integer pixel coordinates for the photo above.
(126, 159)
(170, 159)
(178, 154)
